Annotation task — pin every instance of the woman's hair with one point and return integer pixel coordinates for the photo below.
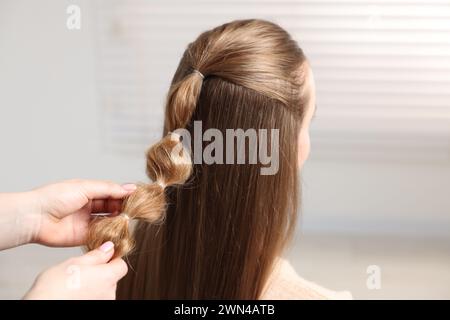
(224, 228)
(168, 164)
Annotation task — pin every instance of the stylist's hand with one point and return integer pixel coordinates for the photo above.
(64, 209)
(57, 214)
(91, 276)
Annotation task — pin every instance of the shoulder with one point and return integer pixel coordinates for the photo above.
(285, 284)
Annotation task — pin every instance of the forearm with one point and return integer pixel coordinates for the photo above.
(17, 219)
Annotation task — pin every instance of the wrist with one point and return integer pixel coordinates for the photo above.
(32, 216)
(20, 219)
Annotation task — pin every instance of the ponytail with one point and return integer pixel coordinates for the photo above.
(182, 100)
(168, 164)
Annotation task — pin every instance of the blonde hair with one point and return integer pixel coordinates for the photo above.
(223, 231)
(168, 163)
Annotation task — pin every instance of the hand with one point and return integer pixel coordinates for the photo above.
(91, 276)
(65, 209)
(57, 214)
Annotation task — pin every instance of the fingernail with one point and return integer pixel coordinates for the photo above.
(129, 187)
(107, 246)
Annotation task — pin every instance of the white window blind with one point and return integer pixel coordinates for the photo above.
(382, 69)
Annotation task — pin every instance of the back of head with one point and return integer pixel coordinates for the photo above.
(224, 228)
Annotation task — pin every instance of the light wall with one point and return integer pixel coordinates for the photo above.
(49, 118)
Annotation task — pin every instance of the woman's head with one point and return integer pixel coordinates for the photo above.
(224, 228)
(251, 54)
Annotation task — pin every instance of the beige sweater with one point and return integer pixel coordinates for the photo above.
(286, 284)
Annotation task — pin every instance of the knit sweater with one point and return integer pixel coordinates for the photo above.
(285, 284)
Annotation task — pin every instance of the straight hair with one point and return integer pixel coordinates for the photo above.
(221, 231)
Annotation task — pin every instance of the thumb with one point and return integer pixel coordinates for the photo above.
(101, 255)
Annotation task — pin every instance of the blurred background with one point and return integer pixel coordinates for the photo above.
(86, 103)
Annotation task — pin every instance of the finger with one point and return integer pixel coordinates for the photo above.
(117, 268)
(98, 206)
(106, 206)
(101, 255)
(95, 189)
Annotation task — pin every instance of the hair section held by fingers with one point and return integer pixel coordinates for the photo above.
(168, 164)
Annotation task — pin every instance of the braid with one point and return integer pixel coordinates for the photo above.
(168, 163)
